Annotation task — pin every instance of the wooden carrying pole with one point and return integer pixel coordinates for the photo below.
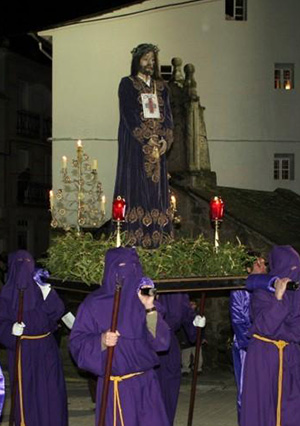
(17, 354)
(196, 363)
(110, 354)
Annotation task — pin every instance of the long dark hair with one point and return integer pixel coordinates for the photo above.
(138, 52)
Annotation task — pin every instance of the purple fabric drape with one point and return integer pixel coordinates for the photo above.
(40, 275)
(141, 177)
(240, 320)
(2, 390)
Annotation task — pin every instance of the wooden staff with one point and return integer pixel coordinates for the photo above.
(196, 363)
(17, 354)
(110, 353)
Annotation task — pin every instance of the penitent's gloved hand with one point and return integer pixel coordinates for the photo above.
(18, 329)
(199, 321)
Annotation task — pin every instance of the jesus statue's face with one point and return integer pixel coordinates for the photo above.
(147, 62)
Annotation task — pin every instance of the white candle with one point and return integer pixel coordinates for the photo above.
(95, 165)
(173, 202)
(103, 201)
(51, 196)
(79, 144)
(64, 162)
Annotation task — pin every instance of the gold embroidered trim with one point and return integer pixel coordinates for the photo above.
(148, 218)
(151, 130)
(138, 237)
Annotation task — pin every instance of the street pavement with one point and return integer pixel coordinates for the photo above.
(214, 402)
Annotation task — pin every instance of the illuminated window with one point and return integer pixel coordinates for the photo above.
(284, 76)
(236, 10)
(284, 166)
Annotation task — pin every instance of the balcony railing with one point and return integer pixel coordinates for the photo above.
(33, 194)
(32, 125)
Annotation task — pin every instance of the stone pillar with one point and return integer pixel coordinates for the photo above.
(189, 155)
(196, 137)
(177, 161)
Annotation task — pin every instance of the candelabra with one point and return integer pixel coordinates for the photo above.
(81, 201)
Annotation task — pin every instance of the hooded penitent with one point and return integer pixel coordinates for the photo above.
(20, 277)
(273, 355)
(122, 266)
(41, 394)
(134, 355)
(285, 262)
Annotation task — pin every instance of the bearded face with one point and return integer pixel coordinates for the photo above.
(147, 63)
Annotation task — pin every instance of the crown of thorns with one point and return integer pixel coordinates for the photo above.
(141, 49)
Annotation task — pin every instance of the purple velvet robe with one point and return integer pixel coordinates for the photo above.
(136, 348)
(276, 320)
(240, 320)
(43, 385)
(178, 313)
(141, 177)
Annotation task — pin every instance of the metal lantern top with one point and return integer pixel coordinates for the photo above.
(118, 209)
(216, 206)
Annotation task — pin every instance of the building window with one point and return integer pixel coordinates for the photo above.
(166, 72)
(236, 10)
(284, 76)
(284, 166)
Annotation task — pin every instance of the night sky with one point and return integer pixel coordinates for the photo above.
(18, 17)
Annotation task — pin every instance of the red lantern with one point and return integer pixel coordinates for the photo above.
(118, 209)
(216, 209)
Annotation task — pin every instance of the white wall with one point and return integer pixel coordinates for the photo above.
(247, 120)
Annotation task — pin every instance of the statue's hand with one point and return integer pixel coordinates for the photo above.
(163, 146)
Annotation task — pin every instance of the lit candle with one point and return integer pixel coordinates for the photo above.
(64, 162)
(95, 165)
(79, 151)
(173, 202)
(51, 198)
(103, 201)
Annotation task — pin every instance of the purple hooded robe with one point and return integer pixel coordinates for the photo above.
(135, 351)
(43, 385)
(277, 320)
(178, 313)
(239, 305)
(141, 176)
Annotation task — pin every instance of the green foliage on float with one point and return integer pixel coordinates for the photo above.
(73, 257)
